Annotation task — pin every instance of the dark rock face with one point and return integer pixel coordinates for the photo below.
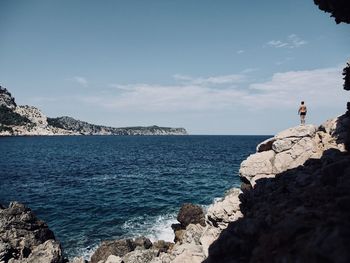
(118, 248)
(6, 99)
(340, 9)
(191, 214)
(21, 234)
(302, 215)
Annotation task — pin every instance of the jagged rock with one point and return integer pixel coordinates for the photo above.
(191, 214)
(292, 147)
(114, 259)
(188, 253)
(178, 232)
(192, 234)
(143, 242)
(117, 248)
(140, 256)
(49, 252)
(209, 235)
(162, 246)
(259, 163)
(224, 211)
(265, 145)
(21, 232)
(298, 132)
(5, 251)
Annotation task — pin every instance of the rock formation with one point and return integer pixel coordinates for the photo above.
(29, 120)
(26, 239)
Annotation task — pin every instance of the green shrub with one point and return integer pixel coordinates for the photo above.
(9, 117)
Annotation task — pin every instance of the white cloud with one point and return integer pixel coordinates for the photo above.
(292, 41)
(319, 87)
(214, 80)
(81, 81)
(241, 51)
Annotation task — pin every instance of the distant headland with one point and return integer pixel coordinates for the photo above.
(17, 120)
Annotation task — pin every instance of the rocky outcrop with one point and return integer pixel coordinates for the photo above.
(6, 99)
(28, 120)
(292, 147)
(26, 239)
(295, 210)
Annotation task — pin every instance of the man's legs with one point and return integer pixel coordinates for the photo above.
(302, 119)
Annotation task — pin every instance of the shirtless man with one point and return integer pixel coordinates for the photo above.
(302, 112)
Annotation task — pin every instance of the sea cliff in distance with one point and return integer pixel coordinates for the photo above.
(16, 120)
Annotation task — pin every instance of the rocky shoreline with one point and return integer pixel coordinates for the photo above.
(293, 206)
(17, 120)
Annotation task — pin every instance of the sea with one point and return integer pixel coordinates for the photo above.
(94, 188)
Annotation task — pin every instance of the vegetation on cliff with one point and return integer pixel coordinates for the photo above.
(9, 117)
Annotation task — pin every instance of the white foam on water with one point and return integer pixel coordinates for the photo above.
(155, 228)
(86, 252)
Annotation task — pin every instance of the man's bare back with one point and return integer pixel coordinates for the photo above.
(302, 112)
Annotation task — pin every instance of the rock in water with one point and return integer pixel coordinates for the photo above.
(191, 214)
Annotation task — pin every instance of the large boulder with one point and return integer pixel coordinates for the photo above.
(287, 150)
(191, 214)
(117, 247)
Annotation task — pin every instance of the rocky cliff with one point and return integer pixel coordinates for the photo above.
(29, 120)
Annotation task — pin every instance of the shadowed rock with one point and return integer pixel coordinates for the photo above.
(301, 215)
(24, 238)
(191, 214)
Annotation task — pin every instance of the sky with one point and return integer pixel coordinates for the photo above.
(212, 67)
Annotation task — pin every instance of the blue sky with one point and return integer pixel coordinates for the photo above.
(213, 67)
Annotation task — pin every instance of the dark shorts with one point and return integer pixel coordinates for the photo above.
(302, 113)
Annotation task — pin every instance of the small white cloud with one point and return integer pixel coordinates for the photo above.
(81, 81)
(213, 80)
(292, 41)
(241, 51)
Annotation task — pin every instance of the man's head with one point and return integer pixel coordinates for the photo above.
(302, 103)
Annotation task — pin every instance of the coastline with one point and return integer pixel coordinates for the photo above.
(200, 236)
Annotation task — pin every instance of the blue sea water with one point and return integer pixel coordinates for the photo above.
(95, 188)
